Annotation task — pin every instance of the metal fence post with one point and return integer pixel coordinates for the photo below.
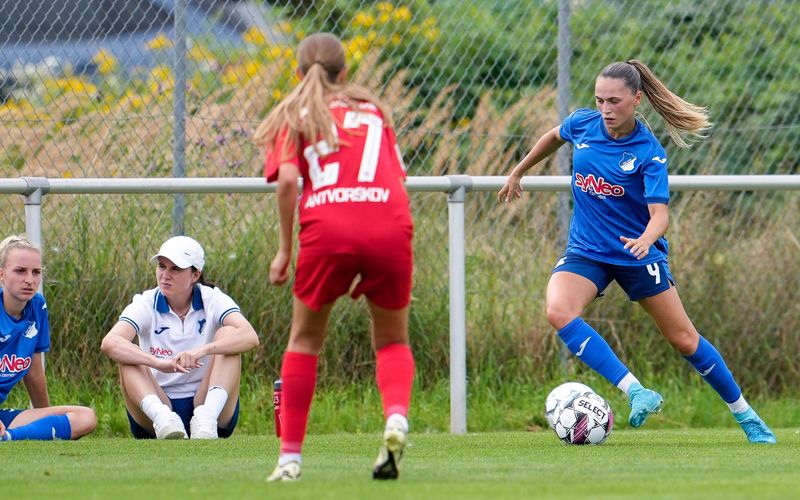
(37, 188)
(459, 185)
(179, 116)
(563, 156)
(564, 95)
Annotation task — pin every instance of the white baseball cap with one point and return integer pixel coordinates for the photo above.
(183, 252)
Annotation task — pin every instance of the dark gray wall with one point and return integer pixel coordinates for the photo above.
(24, 21)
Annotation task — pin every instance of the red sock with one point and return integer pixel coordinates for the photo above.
(395, 374)
(299, 377)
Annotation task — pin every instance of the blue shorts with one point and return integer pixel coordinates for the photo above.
(184, 407)
(7, 415)
(639, 282)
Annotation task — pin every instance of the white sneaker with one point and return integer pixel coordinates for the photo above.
(394, 444)
(201, 427)
(287, 472)
(170, 427)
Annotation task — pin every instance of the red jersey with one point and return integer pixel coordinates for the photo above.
(354, 200)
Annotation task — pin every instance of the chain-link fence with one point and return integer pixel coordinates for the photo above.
(89, 88)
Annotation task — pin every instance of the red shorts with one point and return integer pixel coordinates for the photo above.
(322, 278)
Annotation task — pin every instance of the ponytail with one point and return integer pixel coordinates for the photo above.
(686, 122)
(305, 114)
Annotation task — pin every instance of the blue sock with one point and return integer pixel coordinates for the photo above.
(44, 429)
(709, 364)
(584, 342)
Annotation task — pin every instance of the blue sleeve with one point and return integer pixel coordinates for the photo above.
(43, 325)
(565, 130)
(656, 178)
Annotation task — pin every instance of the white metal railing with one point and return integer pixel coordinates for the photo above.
(456, 187)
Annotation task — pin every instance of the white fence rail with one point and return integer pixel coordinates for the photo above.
(455, 186)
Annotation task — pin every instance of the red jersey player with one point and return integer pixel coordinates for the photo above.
(355, 224)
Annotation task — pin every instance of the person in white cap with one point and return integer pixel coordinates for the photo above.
(184, 374)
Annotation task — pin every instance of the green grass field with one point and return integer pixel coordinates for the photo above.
(663, 463)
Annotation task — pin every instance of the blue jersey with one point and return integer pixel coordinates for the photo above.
(20, 339)
(613, 181)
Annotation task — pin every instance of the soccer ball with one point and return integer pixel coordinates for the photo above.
(560, 393)
(584, 418)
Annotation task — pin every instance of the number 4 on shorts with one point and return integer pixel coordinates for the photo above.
(654, 271)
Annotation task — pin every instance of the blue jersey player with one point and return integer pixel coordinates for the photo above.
(24, 338)
(621, 197)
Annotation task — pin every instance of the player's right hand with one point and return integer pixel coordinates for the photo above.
(279, 269)
(511, 189)
(2, 428)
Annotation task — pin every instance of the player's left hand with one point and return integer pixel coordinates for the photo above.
(639, 247)
(189, 359)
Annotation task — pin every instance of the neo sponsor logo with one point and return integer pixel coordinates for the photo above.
(598, 185)
(14, 364)
(346, 195)
(161, 352)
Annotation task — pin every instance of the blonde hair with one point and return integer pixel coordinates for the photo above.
(686, 122)
(14, 242)
(305, 112)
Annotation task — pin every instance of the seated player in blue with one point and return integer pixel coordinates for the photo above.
(24, 338)
(184, 374)
(621, 195)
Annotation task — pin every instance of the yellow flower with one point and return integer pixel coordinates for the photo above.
(67, 174)
(277, 95)
(231, 76)
(251, 68)
(161, 81)
(431, 34)
(161, 73)
(396, 39)
(105, 61)
(402, 13)
(160, 42)
(272, 52)
(384, 7)
(75, 86)
(429, 22)
(198, 53)
(284, 27)
(358, 43)
(363, 19)
(133, 101)
(463, 122)
(383, 18)
(255, 36)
